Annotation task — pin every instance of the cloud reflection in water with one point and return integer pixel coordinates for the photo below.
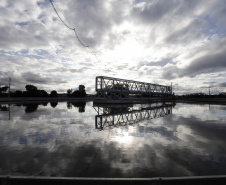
(56, 141)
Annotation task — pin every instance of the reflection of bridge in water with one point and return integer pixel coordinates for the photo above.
(126, 115)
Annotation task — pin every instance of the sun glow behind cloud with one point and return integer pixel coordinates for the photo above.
(156, 42)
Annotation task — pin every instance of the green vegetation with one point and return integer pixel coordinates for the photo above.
(80, 105)
(3, 91)
(53, 94)
(202, 95)
(33, 91)
(79, 93)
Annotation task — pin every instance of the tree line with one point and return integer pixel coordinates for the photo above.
(81, 92)
(33, 91)
(203, 95)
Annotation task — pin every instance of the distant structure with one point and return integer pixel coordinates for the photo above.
(110, 89)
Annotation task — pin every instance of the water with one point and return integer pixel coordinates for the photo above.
(71, 140)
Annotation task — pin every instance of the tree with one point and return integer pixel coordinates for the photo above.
(223, 94)
(82, 91)
(31, 107)
(32, 91)
(79, 93)
(69, 92)
(54, 93)
(81, 88)
(3, 89)
(31, 88)
(53, 104)
(43, 93)
(18, 93)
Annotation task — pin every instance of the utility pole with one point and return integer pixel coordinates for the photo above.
(171, 88)
(9, 87)
(209, 92)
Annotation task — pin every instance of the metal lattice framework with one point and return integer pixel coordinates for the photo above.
(115, 88)
(113, 117)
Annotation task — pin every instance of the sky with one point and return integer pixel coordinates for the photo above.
(182, 42)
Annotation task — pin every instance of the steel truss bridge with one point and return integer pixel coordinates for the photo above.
(115, 88)
(110, 117)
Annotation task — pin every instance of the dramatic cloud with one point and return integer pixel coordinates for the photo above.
(222, 84)
(152, 41)
(207, 59)
(36, 78)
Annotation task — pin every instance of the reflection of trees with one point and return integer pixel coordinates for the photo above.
(45, 103)
(31, 107)
(3, 108)
(80, 105)
(53, 104)
(54, 93)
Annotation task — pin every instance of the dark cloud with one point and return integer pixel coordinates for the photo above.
(65, 70)
(160, 63)
(170, 72)
(223, 84)
(157, 11)
(94, 19)
(15, 78)
(210, 63)
(12, 37)
(152, 12)
(209, 84)
(195, 30)
(30, 77)
(217, 17)
(186, 8)
(213, 61)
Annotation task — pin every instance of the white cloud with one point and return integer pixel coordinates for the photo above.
(149, 41)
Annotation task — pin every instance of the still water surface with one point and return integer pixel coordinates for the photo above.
(81, 140)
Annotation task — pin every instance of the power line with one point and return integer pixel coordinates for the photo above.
(83, 43)
(59, 15)
(68, 26)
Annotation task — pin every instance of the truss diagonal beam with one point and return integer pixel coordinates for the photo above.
(130, 116)
(108, 87)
